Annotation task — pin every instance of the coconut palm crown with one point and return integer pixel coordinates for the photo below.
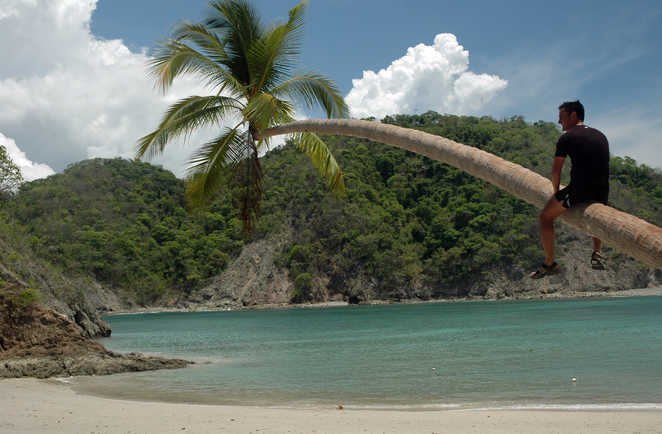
(249, 69)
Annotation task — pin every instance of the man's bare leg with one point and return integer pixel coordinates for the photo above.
(553, 209)
(596, 256)
(597, 244)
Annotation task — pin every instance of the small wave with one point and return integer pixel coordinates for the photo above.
(65, 380)
(405, 407)
(576, 407)
(376, 407)
(199, 360)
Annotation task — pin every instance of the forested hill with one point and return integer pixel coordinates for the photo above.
(413, 227)
(409, 227)
(125, 224)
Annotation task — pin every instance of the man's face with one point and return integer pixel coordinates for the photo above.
(567, 120)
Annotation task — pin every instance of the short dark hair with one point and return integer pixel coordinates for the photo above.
(574, 106)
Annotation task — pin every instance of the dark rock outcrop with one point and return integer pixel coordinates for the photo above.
(38, 342)
(79, 299)
(91, 364)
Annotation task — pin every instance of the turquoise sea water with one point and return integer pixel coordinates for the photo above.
(423, 356)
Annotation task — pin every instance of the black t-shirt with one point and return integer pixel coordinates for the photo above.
(588, 149)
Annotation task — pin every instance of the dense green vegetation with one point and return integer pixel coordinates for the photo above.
(416, 227)
(22, 274)
(125, 224)
(409, 227)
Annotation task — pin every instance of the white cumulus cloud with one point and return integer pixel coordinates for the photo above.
(66, 95)
(429, 77)
(29, 169)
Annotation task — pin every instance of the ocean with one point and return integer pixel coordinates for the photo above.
(506, 354)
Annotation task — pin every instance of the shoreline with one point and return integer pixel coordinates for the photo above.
(638, 292)
(99, 391)
(59, 406)
(36, 406)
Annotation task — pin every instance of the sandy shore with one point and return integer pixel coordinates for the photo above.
(45, 406)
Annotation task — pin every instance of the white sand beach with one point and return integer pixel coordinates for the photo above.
(46, 406)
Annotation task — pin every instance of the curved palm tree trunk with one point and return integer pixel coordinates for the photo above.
(633, 235)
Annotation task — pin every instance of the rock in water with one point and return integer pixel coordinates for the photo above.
(38, 342)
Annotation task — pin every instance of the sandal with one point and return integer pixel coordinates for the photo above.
(545, 270)
(596, 262)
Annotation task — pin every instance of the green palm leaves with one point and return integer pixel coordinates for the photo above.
(249, 67)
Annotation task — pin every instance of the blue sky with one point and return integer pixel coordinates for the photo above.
(520, 58)
(612, 45)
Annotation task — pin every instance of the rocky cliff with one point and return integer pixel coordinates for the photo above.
(81, 299)
(576, 276)
(48, 322)
(39, 342)
(254, 278)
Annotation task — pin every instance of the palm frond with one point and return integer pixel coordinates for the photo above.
(314, 90)
(274, 56)
(311, 145)
(264, 111)
(234, 16)
(233, 155)
(295, 19)
(175, 58)
(227, 150)
(240, 26)
(213, 162)
(203, 37)
(185, 116)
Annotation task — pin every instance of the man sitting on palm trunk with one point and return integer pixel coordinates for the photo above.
(588, 149)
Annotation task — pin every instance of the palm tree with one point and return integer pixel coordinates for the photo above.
(633, 235)
(249, 68)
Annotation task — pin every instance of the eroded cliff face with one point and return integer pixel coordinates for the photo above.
(43, 343)
(576, 275)
(39, 342)
(36, 341)
(33, 331)
(80, 301)
(254, 279)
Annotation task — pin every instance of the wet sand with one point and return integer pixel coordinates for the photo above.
(46, 406)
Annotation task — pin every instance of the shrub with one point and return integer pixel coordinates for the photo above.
(303, 285)
(18, 298)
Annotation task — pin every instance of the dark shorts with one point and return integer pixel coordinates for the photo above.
(569, 197)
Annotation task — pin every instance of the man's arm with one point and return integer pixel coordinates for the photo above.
(556, 172)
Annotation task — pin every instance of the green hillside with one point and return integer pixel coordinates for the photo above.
(416, 227)
(125, 224)
(409, 227)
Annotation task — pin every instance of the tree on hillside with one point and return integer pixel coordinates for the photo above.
(249, 67)
(10, 174)
(635, 236)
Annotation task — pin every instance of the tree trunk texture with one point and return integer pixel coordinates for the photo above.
(632, 235)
